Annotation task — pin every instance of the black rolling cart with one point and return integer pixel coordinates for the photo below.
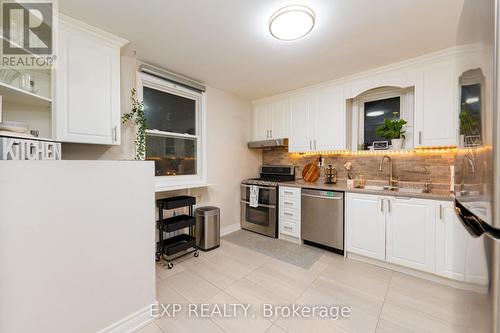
(177, 246)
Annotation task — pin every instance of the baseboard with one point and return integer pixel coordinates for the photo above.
(482, 289)
(131, 323)
(229, 229)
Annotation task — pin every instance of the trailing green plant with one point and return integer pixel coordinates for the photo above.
(136, 115)
(468, 125)
(392, 129)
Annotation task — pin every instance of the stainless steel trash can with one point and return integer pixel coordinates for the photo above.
(207, 227)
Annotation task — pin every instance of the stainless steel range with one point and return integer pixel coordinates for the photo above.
(263, 219)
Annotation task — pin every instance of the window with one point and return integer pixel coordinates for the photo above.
(375, 113)
(174, 131)
(371, 108)
(470, 108)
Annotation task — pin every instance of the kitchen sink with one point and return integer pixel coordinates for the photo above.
(374, 188)
(410, 190)
(395, 189)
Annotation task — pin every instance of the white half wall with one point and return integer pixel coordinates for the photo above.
(76, 245)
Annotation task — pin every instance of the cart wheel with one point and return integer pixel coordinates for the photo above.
(196, 253)
(170, 265)
(157, 256)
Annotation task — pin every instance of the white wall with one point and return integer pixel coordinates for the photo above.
(76, 244)
(229, 161)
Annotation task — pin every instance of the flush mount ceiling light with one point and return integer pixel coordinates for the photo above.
(472, 100)
(375, 113)
(291, 22)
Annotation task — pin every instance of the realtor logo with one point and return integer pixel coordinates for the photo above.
(27, 33)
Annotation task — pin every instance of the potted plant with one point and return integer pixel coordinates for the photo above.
(136, 116)
(468, 126)
(392, 129)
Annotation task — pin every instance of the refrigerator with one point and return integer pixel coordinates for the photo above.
(477, 164)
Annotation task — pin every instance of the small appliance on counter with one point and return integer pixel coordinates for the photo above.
(330, 174)
(263, 217)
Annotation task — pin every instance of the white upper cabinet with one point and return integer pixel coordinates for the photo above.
(329, 120)
(436, 105)
(365, 225)
(261, 122)
(411, 233)
(301, 127)
(280, 119)
(87, 85)
(271, 120)
(318, 121)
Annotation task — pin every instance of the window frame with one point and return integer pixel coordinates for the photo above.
(406, 104)
(179, 181)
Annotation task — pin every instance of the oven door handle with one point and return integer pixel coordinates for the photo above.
(260, 205)
(261, 187)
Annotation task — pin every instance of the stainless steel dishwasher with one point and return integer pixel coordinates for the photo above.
(323, 219)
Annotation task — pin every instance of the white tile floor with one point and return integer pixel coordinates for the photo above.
(381, 300)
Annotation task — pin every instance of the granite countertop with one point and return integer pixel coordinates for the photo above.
(437, 194)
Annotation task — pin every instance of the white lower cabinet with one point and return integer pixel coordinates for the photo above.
(421, 234)
(458, 255)
(365, 225)
(289, 212)
(410, 233)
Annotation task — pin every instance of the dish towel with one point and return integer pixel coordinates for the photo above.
(254, 196)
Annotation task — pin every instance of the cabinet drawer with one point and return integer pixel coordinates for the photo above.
(289, 203)
(289, 192)
(290, 214)
(289, 228)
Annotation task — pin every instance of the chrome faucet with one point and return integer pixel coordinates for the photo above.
(392, 180)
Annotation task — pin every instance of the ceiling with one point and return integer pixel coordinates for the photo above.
(226, 43)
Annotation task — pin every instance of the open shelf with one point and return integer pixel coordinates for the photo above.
(16, 95)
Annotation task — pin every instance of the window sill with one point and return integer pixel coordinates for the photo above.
(162, 187)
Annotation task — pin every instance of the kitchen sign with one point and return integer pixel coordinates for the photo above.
(22, 149)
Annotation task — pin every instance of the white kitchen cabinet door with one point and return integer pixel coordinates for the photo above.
(451, 242)
(436, 105)
(411, 233)
(87, 85)
(280, 119)
(329, 120)
(365, 225)
(301, 124)
(261, 122)
(459, 256)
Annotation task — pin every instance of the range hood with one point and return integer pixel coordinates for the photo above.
(268, 144)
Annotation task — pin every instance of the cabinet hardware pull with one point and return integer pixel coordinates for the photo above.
(381, 205)
(270, 134)
(288, 214)
(288, 192)
(115, 134)
(315, 144)
(310, 145)
(419, 137)
(389, 205)
(288, 203)
(440, 212)
(288, 228)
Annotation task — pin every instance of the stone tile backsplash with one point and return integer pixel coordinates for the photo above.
(411, 167)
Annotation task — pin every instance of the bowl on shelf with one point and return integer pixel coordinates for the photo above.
(14, 126)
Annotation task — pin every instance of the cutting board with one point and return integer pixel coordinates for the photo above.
(311, 172)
